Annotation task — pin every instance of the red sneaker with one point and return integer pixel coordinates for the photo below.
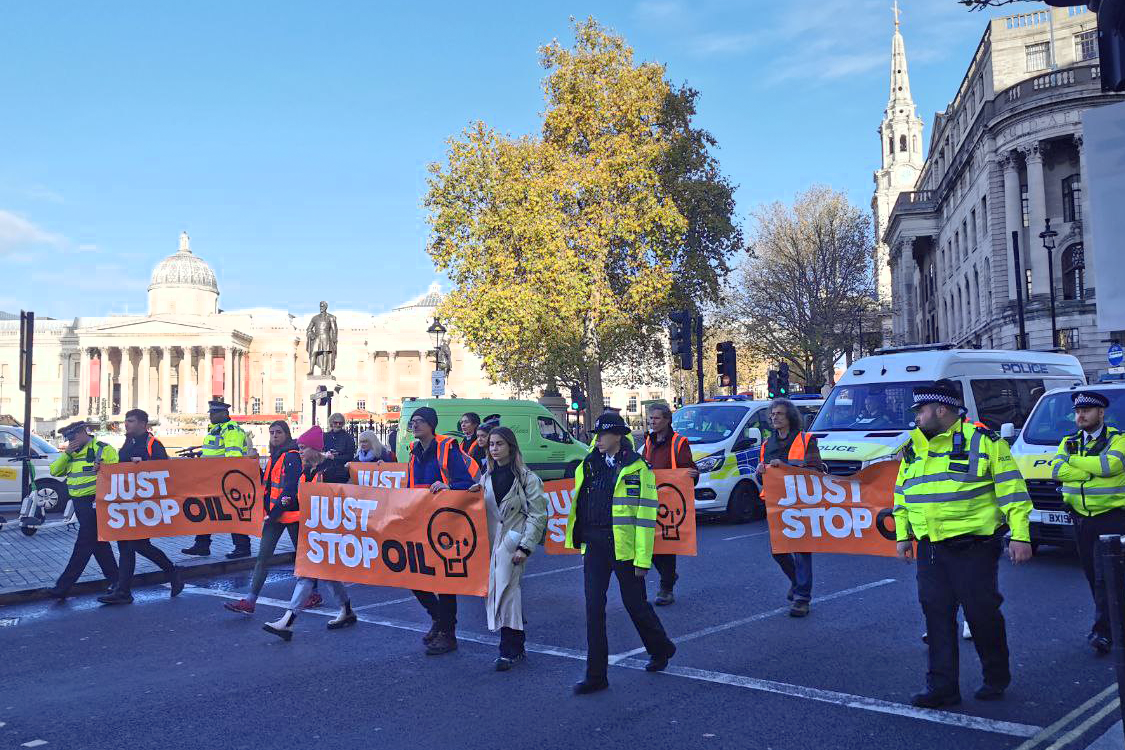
(314, 600)
(242, 607)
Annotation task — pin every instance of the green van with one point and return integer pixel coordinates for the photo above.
(548, 449)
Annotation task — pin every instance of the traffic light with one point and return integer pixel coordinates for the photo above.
(679, 336)
(783, 379)
(577, 399)
(678, 402)
(726, 362)
(771, 384)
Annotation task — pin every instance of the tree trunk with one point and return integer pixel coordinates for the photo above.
(595, 400)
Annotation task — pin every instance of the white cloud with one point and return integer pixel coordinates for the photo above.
(17, 233)
(658, 10)
(722, 44)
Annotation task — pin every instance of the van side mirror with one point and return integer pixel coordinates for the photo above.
(1008, 431)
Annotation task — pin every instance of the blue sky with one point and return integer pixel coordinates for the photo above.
(290, 139)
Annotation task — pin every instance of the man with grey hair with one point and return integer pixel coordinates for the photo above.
(789, 444)
(664, 449)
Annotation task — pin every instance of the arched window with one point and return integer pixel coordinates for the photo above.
(902, 143)
(988, 287)
(1072, 198)
(976, 295)
(1074, 272)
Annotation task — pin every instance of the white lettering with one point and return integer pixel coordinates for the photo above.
(367, 506)
(314, 512)
(115, 519)
(790, 496)
(833, 492)
(315, 553)
(349, 513)
(794, 529)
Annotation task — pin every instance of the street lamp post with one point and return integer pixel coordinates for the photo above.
(437, 332)
(1048, 237)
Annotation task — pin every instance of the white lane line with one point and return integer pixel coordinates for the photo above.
(745, 536)
(411, 598)
(754, 618)
(768, 686)
(551, 572)
(384, 604)
(1056, 728)
(34, 743)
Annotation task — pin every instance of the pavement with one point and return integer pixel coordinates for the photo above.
(29, 565)
(185, 673)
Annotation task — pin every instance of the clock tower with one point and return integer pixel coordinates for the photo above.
(900, 142)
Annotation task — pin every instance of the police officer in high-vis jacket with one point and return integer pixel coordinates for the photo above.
(1091, 466)
(957, 489)
(225, 439)
(79, 463)
(613, 521)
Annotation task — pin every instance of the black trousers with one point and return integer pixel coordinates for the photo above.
(128, 551)
(241, 541)
(962, 572)
(1088, 529)
(87, 545)
(598, 564)
(666, 566)
(511, 642)
(442, 609)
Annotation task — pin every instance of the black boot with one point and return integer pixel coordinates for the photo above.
(116, 597)
(238, 552)
(197, 549)
(176, 580)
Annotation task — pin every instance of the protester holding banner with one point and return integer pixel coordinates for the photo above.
(613, 520)
(279, 488)
(957, 485)
(517, 507)
(664, 449)
(1091, 466)
(789, 445)
(140, 445)
(315, 465)
(225, 439)
(79, 464)
(436, 461)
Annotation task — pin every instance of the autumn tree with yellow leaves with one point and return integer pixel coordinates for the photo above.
(567, 249)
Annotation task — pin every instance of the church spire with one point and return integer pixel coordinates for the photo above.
(900, 76)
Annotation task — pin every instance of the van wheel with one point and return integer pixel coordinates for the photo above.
(745, 505)
(569, 471)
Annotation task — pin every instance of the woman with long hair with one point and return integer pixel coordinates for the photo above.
(517, 510)
(371, 449)
(315, 464)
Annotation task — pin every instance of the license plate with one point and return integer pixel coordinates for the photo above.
(9, 473)
(1054, 517)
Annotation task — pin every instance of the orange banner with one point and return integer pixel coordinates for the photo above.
(377, 474)
(411, 539)
(178, 498)
(813, 512)
(675, 520)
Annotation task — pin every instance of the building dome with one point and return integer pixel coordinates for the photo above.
(183, 283)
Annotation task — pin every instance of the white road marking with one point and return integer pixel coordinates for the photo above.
(768, 686)
(384, 604)
(34, 743)
(745, 536)
(1084, 727)
(1057, 728)
(754, 618)
(411, 598)
(552, 572)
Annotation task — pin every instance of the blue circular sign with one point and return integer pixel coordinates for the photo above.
(1116, 355)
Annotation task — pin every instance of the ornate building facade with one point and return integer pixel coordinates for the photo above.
(1005, 156)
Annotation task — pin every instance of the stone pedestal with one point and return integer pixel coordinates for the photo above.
(557, 405)
(310, 386)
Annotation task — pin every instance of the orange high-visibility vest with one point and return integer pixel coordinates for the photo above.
(274, 470)
(796, 450)
(674, 444)
(444, 445)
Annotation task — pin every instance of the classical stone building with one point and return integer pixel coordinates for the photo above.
(1005, 155)
(186, 350)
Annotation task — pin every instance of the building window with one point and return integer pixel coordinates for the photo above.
(902, 143)
(890, 144)
(1072, 198)
(654, 396)
(1074, 272)
(1068, 339)
(632, 407)
(76, 370)
(74, 406)
(278, 405)
(1027, 283)
(1038, 56)
(984, 214)
(973, 226)
(1025, 206)
(361, 404)
(255, 406)
(1086, 45)
(605, 402)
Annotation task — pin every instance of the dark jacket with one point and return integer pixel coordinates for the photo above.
(595, 499)
(344, 445)
(426, 469)
(138, 448)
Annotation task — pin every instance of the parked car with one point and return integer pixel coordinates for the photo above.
(11, 470)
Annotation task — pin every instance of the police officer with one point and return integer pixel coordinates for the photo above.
(957, 485)
(1091, 466)
(225, 439)
(79, 463)
(613, 522)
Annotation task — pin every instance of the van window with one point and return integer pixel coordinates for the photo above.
(1005, 400)
(707, 423)
(1053, 418)
(869, 406)
(552, 430)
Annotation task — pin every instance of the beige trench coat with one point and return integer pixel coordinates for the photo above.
(519, 521)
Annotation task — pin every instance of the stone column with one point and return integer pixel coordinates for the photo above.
(1037, 215)
(144, 381)
(228, 371)
(106, 381)
(267, 383)
(165, 379)
(84, 383)
(183, 377)
(207, 375)
(125, 375)
(1013, 218)
(1087, 225)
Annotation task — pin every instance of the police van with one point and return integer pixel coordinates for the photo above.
(1050, 421)
(867, 416)
(726, 435)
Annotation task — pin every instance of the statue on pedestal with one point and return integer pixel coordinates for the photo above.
(321, 340)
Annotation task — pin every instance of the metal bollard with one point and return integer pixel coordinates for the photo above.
(1113, 575)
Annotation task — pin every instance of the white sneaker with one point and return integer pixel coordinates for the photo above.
(281, 627)
(965, 632)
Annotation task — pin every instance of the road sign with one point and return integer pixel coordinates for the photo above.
(1116, 355)
(437, 383)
